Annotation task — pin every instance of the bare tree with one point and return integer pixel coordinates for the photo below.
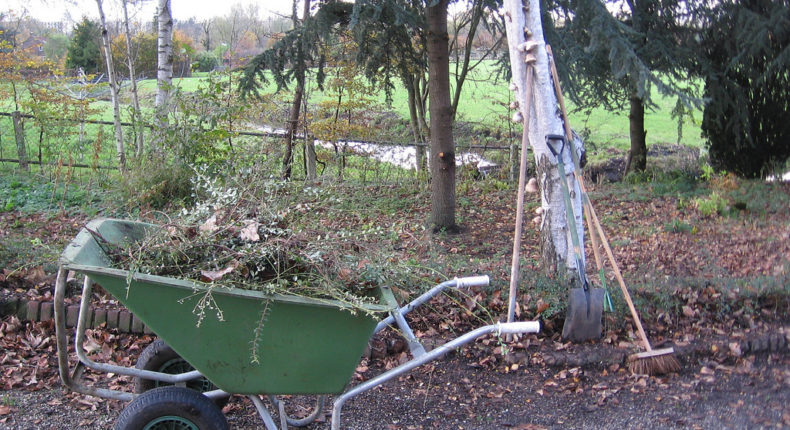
(114, 88)
(206, 39)
(527, 48)
(130, 60)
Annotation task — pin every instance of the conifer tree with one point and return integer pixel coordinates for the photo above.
(84, 49)
(614, 53)
(745, 63)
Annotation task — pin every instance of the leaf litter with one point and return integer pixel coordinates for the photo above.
(732, 364)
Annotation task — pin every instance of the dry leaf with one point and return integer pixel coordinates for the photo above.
(250, 232)
(215, 275)
(210, 225)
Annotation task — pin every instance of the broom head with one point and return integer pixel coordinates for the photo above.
(655, 362)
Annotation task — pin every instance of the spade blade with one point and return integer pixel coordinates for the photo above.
(583, 320)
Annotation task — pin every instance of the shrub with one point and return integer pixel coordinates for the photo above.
(205, 62)
(157, 182)
(713, 204)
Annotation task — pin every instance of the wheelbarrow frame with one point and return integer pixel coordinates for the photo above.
(72, 378)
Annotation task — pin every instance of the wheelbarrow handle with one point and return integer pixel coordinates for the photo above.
(466, 282)
(472, 281)
(499, 328)
(519, 327)
(397, 315)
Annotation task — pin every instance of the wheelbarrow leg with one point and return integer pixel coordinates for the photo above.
(268, 421)
(396, 316)
(415, 346)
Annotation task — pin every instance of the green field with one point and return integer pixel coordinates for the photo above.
(482, 106)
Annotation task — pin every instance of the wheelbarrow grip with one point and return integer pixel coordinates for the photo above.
(519, 327)
(472, 281)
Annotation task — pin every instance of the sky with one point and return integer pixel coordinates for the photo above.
(74, 10)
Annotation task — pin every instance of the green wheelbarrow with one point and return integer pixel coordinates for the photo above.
(256, 345)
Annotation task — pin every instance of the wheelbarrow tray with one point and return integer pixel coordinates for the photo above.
(302, 345)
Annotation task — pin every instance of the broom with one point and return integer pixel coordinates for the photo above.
(651, 361)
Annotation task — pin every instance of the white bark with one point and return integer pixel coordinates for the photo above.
(116, 110)
(523, 24)
(164, 71)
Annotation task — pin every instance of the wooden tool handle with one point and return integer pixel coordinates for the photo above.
(591, 211)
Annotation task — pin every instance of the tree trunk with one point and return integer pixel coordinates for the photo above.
(541, 112)
(310, 157)
(136, 117)
(293, 124)
(206, 42)
(637, 157)
(424, 130)
(419, 160)
(442, 145)
(19, 136)
(164, 70)
(311, 173)
(114, 88)
(296, 106)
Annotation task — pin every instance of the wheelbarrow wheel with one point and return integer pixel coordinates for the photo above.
(158, 356)
(171, 408)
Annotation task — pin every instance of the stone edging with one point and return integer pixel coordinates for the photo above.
(125, 322)
(35, 310)
(775, 342)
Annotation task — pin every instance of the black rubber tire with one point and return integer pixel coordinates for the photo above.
(160, 357)
(172, 407)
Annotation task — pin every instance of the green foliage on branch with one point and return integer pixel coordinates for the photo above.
(747, 86)
(301, 46)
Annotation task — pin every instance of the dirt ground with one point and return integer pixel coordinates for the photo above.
(731, 337)
(719, 386)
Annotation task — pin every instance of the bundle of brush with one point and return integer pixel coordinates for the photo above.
(652, 361)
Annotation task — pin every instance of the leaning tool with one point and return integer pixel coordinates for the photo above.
(652, 361)
(599, 264)
(585, 305)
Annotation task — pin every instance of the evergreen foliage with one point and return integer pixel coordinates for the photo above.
(287, 60)
(747, 86)
(84, 50)
(390, 35)
(612, 54)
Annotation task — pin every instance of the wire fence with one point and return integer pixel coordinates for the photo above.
(28, 140)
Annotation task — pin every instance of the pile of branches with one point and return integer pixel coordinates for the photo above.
(244, 242)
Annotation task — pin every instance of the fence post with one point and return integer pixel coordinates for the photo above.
(19, 135)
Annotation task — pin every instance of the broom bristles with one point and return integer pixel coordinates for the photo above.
(655, 362)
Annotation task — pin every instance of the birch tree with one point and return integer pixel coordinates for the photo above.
(525, 30)
(164, 70)
(114, 88)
